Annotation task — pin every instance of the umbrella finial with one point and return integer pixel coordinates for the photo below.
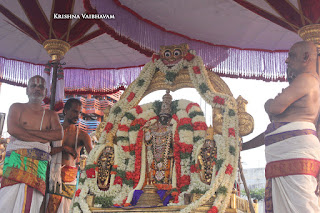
(310, 33)
(56, 48)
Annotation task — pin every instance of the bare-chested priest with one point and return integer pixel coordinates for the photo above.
(292, 147)
(74, 140)
(32, 128)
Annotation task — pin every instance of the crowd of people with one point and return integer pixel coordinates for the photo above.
(38, 144)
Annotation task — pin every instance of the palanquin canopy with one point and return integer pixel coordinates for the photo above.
(236, 38)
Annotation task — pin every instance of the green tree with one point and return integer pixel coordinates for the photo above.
(255, 194)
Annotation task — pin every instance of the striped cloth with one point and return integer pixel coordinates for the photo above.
(23, 184)
(293, 162)
(26, 166)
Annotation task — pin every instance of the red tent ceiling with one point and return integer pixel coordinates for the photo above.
(42, 27)
(291, 15)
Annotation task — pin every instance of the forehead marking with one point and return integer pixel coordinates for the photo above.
(37, 81)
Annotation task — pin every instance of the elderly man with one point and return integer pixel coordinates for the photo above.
(32, 128)
(74, 140)
(292, 147)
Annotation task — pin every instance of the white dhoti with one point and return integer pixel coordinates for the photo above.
(293, 161)
(23, 183)
(20, 198)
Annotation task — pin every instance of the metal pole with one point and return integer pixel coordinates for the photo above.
(245, 186)
(317, 61)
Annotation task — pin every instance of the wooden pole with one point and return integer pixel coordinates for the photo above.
(317, 61)
(245, 186)
(54, 84)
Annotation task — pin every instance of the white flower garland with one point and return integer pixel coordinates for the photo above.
(174, 69)
(135, 91)
(186, 136)
(223, 142)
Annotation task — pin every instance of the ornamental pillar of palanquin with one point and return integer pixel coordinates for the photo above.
(56, 48)
(311, 33)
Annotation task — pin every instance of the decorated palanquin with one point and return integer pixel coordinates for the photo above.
(162, 155)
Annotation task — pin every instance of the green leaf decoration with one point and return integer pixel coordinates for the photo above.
(197, 191)
(222, 190)
(126, 161)
(174, 107)
(195, 113)
(89, 166)
(231, 113)
(184, 188)
(121, 173)
(141, 82)
(186, 127)
(129, 116)
(117, 110)
(185, 155)
(232, 150)
(104, 201)
(157, 107)
(76, 204)
(171, 76)
(128, 182)
(134, 128)
(219, 163)
(81, 180)
(122, 138)
(195, 139)
(203, 88)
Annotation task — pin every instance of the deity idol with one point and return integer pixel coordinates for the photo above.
(105, 162)
(207, 157)
(158, 138)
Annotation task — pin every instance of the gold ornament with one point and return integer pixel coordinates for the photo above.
(3, 145)
(246, 122)
(174, 53)
(207, 157)
(56, 48)
(310, 33)
(149, 197)
(166, 103)
(217, 120)
(209, 133)
(105, 163)
(182, 80)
